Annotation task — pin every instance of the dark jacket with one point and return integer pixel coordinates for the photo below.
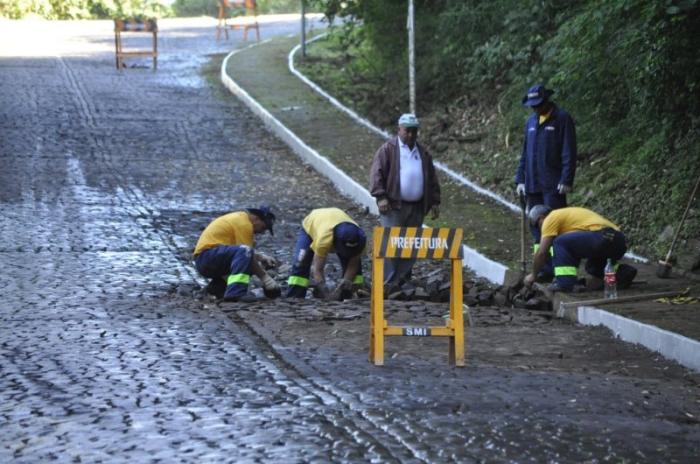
(549, 153)
(384, 176)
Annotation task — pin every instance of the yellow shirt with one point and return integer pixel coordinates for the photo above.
(229, 229)
(561, 221)
(319, 225)
(544, 117)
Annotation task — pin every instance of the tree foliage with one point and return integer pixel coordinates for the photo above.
(82, 9)
(627, 70)
(85, 9)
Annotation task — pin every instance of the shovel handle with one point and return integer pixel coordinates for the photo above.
(680, 224)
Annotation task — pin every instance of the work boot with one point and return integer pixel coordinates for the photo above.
(624, 275)
(216, 287)
(593, 283)
(554, 288)
(247, 298)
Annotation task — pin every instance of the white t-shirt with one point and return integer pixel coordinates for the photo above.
(411, 173)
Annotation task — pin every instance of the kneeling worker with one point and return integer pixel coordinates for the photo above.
(575, 234)
(224, 253)
(325, 231)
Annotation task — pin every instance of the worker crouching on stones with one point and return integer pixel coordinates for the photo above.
(224, 253)
(575, 234)
(325, 231)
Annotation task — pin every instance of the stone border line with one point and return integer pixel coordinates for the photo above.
(671, 345)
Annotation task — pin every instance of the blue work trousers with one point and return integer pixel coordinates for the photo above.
(596, 247)
(230, 263)
(299, 280)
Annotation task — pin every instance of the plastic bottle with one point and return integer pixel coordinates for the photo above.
(610, 291)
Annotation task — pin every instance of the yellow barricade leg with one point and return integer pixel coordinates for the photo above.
(456, 315)
(376, 329)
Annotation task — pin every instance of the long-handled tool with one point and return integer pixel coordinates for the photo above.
(515, 289)
(663, 270)
(523, 233)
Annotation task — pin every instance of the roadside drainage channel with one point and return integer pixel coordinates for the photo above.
(668, 344)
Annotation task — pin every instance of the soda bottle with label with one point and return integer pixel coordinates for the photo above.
(610, 291)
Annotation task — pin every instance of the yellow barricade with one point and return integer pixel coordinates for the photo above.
(420, 243)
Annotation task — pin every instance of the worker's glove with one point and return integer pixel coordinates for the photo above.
(520, 189)
(267, 262)
(529, 280)
(270, 287)
(563, 189)
(435, 212)
(383, 205)
(342, 291)
(321, 290)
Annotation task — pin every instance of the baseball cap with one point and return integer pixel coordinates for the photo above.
(265, 214)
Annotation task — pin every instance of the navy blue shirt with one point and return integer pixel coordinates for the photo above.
(549, 153)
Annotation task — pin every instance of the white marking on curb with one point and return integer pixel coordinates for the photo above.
(671, 345)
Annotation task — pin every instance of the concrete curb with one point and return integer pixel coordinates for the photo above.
(671, 345)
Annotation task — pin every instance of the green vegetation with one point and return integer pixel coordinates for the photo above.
(83, 9)
(210, 8)
(94, 9)
(627, 70)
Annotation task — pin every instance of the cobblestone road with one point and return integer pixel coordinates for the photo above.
(103, 355)
(107, 353)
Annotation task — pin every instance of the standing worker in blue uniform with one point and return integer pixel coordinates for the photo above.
(547, 164)
(325, 231)
(224, 253)
(576, 234)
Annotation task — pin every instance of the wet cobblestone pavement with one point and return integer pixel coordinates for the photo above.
(109, 352)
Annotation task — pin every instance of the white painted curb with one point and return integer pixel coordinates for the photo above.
(671, 345)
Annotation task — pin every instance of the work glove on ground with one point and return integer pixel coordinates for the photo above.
(520, 189)
(267, 262)
(342, 291)
(383, 205)
(563, 189)
(270, 287)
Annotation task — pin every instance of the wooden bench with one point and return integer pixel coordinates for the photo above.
(249, 17)
(135, 25)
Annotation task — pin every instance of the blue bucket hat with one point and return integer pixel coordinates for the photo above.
(536, 95)
(348, 239)
(265, 214)
(409, 120)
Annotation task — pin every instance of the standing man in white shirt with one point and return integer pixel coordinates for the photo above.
(404, 183)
